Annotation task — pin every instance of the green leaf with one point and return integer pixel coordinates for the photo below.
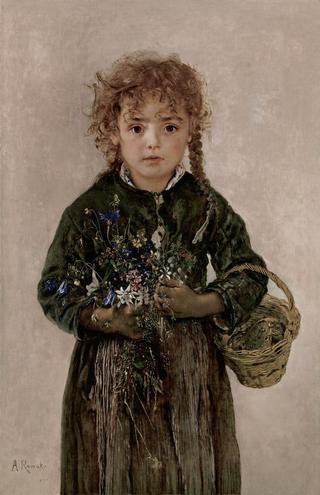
(138, 364)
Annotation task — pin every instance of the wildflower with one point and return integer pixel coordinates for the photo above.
(94, 285)
(116, 201)
(110, 216)
(110, 298)
(171, 261)
(63, 288)
(154, 463)
(135, 279)
(124, 296)
(136, 243)
(166, 272)
(126, 253)
(117, 240)
(128, 296)
(142, 237)
(142, 297)
(50, 284)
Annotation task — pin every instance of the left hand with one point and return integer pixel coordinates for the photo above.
(174, 298)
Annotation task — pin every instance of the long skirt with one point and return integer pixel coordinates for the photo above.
(186, 444)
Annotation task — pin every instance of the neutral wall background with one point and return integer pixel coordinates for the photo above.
(261, 59)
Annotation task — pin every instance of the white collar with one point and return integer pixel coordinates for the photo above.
(178, 173)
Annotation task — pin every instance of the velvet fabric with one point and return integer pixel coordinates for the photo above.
(192, 429)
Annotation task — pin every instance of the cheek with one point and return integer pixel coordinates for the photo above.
(129, 146)
(179, 146)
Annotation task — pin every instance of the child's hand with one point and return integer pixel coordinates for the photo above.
(125, 321)
(173, 297)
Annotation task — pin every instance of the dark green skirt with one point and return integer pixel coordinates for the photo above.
(185, 444)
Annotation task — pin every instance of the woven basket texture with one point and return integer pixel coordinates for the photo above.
(258, 350)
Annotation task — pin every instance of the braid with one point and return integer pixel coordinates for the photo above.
(196, 159)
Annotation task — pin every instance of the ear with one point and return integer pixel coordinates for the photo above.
(114, 138)
(190, 138)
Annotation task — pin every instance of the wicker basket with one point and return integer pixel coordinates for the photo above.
(265, 366)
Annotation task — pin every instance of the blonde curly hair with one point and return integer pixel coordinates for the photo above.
(137, 75)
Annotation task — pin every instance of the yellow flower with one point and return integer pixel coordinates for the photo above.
(136, 243)
(118, 239)
(141, 236)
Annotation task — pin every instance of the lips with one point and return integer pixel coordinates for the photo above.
(153, 157)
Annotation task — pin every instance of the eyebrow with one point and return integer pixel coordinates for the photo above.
(164, 118)
(171, 117)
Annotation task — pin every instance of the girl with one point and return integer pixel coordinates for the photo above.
(147, 405)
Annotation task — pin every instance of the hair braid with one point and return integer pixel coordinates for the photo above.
(196, 159)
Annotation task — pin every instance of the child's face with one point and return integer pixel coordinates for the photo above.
(152, 142)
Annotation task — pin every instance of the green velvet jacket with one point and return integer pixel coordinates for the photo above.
(201, 226)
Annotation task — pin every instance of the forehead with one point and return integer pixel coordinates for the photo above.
(152, 108)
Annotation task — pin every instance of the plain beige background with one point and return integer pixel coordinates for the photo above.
(261, 59)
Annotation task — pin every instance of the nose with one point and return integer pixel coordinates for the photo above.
(152, 138)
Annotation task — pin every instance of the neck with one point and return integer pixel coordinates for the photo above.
(152, 185)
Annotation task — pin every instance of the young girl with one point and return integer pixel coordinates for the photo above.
(147, 407)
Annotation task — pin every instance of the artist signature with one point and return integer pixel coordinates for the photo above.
(22, 465)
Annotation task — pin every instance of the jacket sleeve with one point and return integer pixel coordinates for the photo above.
(60, 296)
(229, 245)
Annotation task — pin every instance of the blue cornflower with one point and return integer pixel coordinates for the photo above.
(126, 252)
(50, 284)
(63, 288)
(110, 298)
(110, 216)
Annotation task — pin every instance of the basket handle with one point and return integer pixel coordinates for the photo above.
(264, 271)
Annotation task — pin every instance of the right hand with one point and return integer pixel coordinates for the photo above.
(125, 321)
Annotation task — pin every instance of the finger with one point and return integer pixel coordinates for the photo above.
(160, 303)
(161, 298)
(137, 332)
(163, 310)
(139, 323)
(132, 310)
(164, 297)
(137, 311)
(163, 292)
(129, 308)
(157, 299)
(166, 306)
(160, 291)
(171, 282)
(168, 293)
(167, 310)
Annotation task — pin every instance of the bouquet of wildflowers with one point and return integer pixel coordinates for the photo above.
(125, 269)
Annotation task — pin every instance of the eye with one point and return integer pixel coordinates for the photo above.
(136, 129)
(171, 128)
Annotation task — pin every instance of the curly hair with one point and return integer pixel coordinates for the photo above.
(137, 75)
